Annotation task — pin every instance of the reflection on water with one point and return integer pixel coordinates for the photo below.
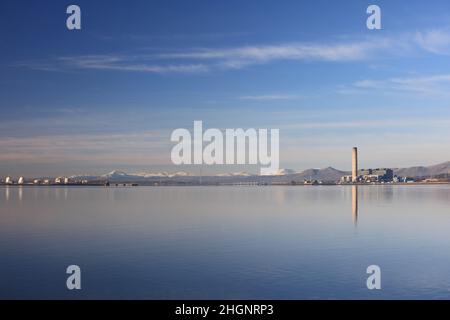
(282, 242)
(355, 205)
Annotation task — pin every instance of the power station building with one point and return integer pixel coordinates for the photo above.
(376, 175)
(367, 175)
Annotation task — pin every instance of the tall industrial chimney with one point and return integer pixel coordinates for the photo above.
(354, 164)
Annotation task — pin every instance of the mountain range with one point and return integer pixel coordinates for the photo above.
(430, 171)
(328, 174)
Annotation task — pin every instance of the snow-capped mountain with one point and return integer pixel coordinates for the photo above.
(284, 172)
(282, 175)
(121, 176)
(115, 174)
(234, 174)
(162, 174)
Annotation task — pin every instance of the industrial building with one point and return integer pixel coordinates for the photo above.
(62, 180)
(367, 175)
(376, 175)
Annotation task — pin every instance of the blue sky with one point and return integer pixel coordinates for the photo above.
(108, 96)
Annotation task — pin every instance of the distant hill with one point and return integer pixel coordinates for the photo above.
(435, 170)
(326, 174)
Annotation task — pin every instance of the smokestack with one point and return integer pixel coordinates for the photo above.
(354, 164)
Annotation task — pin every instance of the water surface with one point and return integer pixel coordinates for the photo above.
(299, 242)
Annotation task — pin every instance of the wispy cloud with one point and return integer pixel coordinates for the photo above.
(207, 59)
(134, 63)
(144, 38)
(377, 124)
(434, 84)
(435, 41)
(114, 62)
(240, 57)
(271, 97)
(138, 147)
(200, 60)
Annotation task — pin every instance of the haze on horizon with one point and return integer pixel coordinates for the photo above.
(108, 97)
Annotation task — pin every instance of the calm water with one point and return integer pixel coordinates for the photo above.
(225, 242)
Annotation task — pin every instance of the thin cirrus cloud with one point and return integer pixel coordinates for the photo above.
(207, 59)
(128, 63)
(433, 84)
(201, 60)
(129, 147)
(372, 124)
(112, 62)
(271, 97)
(246, 55)
(436, 41)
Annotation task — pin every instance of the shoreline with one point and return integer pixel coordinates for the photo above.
(123, 185)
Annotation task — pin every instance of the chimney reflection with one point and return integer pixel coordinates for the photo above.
(355, 205)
